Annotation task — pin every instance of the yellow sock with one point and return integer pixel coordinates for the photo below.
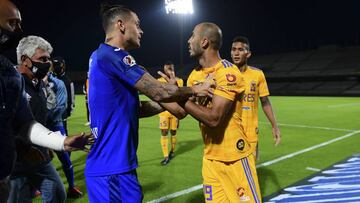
(173, 142)
(164, 145)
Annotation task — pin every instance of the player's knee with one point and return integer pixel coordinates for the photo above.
(164, 132)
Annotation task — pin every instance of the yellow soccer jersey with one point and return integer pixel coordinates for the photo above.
(255, 87)
(196, 77)
(228, 142)
(180, 83)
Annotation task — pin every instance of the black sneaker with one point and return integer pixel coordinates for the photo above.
(165, 161)
(171, 155)
(74, 193)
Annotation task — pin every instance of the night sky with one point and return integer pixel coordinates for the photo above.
(74, 28)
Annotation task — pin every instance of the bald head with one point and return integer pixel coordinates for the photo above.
(10, 17)
(212, 32)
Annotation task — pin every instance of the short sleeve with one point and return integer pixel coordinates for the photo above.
(190, 79)
(125, 67)
(263, 88)
(180, 82)
(229, 83)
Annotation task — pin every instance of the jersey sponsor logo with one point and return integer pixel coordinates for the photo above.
(129, 60)
(248, 97)
(246, 108)
(230, 77)
(240, 144)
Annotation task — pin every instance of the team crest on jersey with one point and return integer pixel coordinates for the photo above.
(253, 86)
(240, 144)
(129, 60)
(242, 194)
(230, 77)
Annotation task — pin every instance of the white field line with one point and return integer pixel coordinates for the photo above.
(198, 187)
(313, 169)
(343, 105)
(312, 127)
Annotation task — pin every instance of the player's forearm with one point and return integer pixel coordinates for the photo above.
(162, 92)
(267, 108)
(150, 108)
(175, 109)
(203, 114)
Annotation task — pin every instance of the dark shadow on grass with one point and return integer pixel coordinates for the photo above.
(267, 176)
(185, 146)
(147, 188)
(182, 147)
(197, 197)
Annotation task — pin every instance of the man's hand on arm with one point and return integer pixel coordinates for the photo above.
(78, 142)
(214, 116)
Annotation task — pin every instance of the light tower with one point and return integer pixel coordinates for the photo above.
(179, 8)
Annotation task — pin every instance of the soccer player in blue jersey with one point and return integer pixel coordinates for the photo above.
(115, 109)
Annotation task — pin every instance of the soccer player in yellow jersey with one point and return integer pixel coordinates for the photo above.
(168, 121)
(229, 173)
(255, 88)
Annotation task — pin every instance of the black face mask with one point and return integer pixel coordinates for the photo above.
(58, 69)
(39, 69)
(9, 40)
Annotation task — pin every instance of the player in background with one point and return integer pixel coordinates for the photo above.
(255, 88)
(167, 121)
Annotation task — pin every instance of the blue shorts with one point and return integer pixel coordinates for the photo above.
(117, 188)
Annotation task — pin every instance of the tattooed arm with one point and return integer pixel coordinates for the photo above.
(163, 92)
(149, 108)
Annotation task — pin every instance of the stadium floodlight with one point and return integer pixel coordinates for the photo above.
(179, 6)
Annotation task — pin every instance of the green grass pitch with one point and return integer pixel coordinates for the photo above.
(300, 116)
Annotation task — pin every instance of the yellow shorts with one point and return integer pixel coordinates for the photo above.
(231, 181)
(168, 122)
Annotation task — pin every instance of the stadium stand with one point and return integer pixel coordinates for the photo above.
(325, 71)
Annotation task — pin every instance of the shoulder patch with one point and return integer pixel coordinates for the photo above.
(129, 60)
(226, 63)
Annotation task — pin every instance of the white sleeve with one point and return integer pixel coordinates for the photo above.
(42, 136)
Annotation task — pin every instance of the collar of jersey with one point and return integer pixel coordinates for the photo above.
(214, 68)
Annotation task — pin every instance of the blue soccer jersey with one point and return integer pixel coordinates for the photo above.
(114, 111)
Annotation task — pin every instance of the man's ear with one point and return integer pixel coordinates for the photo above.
(205, 43)
(26, 61)
(248, 54)
(120, 25)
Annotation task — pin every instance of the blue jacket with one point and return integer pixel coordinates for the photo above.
(56, 113)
